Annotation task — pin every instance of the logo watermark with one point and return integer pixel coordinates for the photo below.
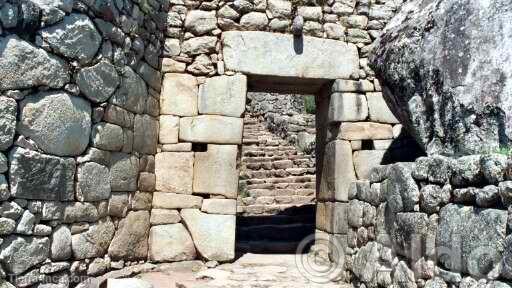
(314, 263)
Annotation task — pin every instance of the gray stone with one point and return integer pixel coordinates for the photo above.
(347, 107)
(432, 197)
(118, 204)
(59, 123)
(298, 25)
(145, 136)
(8, 110)
(4, 189)
(11, 210)
(93, 182)
(24, 66)
(310, 13)
(402, 193)
(164, 216)
(80, 212)
(7, 226)
(19, 254)
(464, 95)
(61, 244)
(107, 136)
(94, 242)
(467, 171)
(364, 263)
(131, 239)
(488, 196)
(128, 283)
(132, 92)
(52, 210)
(223, 95)
(98, 82)
(493, 167)
(477, 235)
(200, 22)
(213, 235)
(436, 283)
(211, 129)
(95, 155)
(254, 21)
(124, 170)
(280, 9)
(51, 268)
(37, 176)
(169, 243)
(4, 166)
(505, 190)
(199, 45)
(403, 277)
(26, 223)
(410, 230)
(9, 15)
(42, 230)
(243, 50)
(63, 38)
(221, 161)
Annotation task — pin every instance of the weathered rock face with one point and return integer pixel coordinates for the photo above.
(59, 123)
(442, 64)
(131, 239)
(37, 176)
(23, 66)
(7, 122)
(20, 253)
(170, 243)
(95, 241)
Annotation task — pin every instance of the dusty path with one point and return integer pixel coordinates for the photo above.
(250, 271)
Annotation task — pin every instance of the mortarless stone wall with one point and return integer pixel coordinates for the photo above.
(435, 222)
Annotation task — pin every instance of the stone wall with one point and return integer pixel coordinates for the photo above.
(78, 131)
(436, 222)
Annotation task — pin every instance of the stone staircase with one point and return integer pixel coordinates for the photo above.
(277, 192)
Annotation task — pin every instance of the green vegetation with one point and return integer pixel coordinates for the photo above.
(505, 151)
(309, 104)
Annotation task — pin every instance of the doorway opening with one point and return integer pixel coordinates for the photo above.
(277, 184)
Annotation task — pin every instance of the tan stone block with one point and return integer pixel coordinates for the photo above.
(365, 160)
(379, 109)
(364, 131)
(211, 129)
(331, 217)
(169, 243)
(179, 147)
(172, 66)
(174, 172)
(341, 85)
(215, 171)
(169, 129)
(382, 144)
(175, 201)
(179, 95)
(338, 171)
(164, 216)
(223, 95)
(219, 206)
(347, 107)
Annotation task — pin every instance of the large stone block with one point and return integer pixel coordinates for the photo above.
(218, 161)
(106, 136)
(18, 254)
(213, 235)
(94, 242)
(61, 243)
(475, 236)
(124, 169)
(338, 171)
(59, 123)
(175, 201)
(263, 53)
(347, 107)
(98, 82)
(331, 217)
(62, 37)
(38, 176)
(145, 134)
(364, 131)
(379, 110)
(219, 206)
(131, 238)
(169, 129)
(164, 216)
(211, 129)
(169, 243)
(24, 66)
(365, 160)
(200, 22)
(8, 110)
(93, 182)
(174, 172)
(179, 95)
(223, 95)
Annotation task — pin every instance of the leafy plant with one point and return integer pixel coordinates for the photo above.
(505, 151)
(309, 104)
